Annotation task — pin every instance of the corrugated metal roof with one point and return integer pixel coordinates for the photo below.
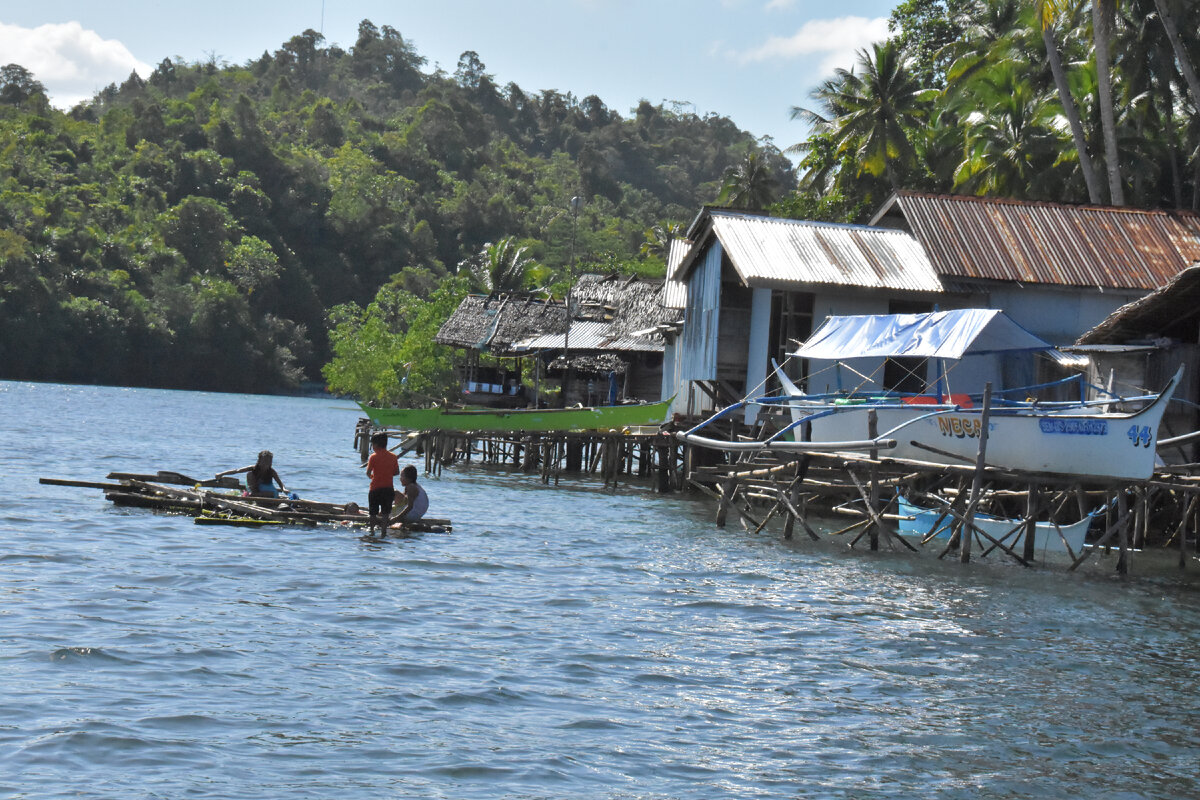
(674, 294)
(779, 253)
(590, 336)
(1011, 240)
(1068, 360)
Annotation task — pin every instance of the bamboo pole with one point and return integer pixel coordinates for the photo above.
(796, 513)
(876, 522)
(1031, 510)
(964, 546)
(1113, 528)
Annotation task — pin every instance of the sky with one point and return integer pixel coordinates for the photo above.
(749, 60)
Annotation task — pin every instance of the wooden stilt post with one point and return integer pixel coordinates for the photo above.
(663, 454)
(873, 501)
(728, 489)
(1181, 531)
(964, 549)
(364, 443)
(793, 496)
(1143, 526)
(1031, 512)
(1123, 533)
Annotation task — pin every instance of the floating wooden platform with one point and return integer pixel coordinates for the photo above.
(163, 491)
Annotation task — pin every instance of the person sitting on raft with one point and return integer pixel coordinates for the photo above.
(259, 477)
(415, 501)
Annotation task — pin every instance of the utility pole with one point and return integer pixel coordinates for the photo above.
(576, 202)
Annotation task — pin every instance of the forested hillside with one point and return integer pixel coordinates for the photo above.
(197, 229)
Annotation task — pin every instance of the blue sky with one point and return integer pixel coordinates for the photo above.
(750, 60)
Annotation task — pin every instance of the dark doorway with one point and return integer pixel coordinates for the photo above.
(791, 322)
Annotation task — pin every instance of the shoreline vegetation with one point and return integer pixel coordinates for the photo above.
(316, 213)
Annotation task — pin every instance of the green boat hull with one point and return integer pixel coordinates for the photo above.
(542, 419)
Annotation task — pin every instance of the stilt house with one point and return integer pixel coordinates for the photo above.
(607, 349)
(751, 284)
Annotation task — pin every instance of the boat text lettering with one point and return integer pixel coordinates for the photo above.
(1074, 427)
(960, 427)
(1142, 435)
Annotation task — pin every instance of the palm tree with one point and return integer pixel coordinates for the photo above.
(870, 115)
(989, 37)
(748, 184)
(658, 238)
(499, 268)
(1048, 12)
(1147, 95)
(1181, 56)
(1011, 145)
(1103, 12)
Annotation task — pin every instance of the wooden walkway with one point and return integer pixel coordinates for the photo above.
(811, 492)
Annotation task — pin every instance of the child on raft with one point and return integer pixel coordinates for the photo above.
(260, 476)
(382, 467)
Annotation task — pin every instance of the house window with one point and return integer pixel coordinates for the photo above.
(906, 375)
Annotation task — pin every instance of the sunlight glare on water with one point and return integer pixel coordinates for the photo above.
(561, 642)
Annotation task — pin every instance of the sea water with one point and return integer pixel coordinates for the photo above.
(561, 643)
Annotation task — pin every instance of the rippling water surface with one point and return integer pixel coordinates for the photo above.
(560, 643)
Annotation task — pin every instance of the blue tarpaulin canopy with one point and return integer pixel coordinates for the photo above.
(938, 334)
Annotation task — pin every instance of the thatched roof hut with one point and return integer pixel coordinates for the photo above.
(628, 303)
(1170, 312)
(495, 324)
(609, 312)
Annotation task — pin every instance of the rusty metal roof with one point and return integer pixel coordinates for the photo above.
(789, 254)
(1050, 243)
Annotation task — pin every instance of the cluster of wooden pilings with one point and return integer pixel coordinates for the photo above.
(864, 489)
(813, 491)
(647, 456)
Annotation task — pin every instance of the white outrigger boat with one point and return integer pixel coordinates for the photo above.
(1080, 438)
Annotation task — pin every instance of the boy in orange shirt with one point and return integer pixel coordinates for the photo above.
(382, 466)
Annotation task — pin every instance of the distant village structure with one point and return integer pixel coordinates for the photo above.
(605, 350)
(749, 286)
(743, 289)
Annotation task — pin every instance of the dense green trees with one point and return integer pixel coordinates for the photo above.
(197, 228)
(1037, 99)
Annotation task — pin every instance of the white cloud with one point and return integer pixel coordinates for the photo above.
(71, 62)
(835, 40)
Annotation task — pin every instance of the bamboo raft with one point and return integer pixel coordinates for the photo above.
(210, 502)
